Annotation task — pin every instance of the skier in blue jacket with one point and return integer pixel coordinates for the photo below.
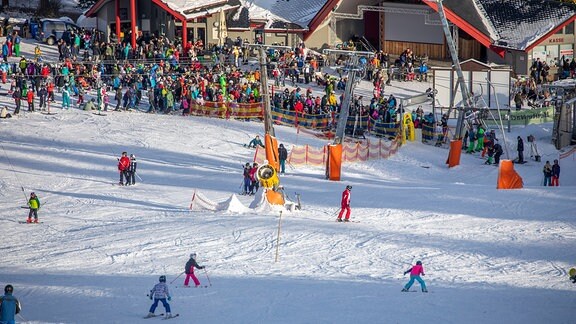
(160, 293)
(9, 306)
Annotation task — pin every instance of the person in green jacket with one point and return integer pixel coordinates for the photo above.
(169, 101)
(34, 205)
(480, 139)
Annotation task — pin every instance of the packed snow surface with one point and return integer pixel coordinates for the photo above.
(490, 256)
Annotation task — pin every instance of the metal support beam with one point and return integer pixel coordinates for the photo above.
(455, 61)
(359, 15)
(267, 109)
(352, 69)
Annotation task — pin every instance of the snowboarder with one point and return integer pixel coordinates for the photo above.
(160, 293)
(520, 149)
(255, 142)
(497, 153)
(9, 306)
(189, 270)
(345, 204)
(131, 179)
(490, 149)
(415, 273)
(282, 156)
(34, 205)
(123, 165)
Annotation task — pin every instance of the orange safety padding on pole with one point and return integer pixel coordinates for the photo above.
(271, 145)
(454, 153)
(508, 178)
(274, 197)
(334, 162)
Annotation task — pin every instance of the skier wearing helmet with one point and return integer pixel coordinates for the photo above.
(415, 273)
(160, 293)
(9, 306)
(34, 205)
(345, 204)
(189, 270)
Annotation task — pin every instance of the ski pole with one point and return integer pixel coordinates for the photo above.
(138, 177)
(208, 278)
(177, 277)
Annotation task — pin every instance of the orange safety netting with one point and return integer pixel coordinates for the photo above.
(351, 152)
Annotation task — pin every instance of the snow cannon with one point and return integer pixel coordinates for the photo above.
(270, 181)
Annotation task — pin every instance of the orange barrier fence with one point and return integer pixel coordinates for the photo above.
(351, 152)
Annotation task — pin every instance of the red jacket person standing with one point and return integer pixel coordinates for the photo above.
(345, 204)
(123, 166)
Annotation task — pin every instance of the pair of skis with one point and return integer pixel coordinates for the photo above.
(162, 315)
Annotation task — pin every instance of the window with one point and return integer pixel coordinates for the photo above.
(569, 29)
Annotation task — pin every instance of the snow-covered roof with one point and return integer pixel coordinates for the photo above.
(277, 14)
(197, 8)
(514, 24)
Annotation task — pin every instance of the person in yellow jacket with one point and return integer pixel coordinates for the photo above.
(34, 205)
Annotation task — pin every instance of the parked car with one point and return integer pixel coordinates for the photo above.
(51, 30)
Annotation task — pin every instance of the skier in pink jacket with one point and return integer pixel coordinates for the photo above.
(415, 273)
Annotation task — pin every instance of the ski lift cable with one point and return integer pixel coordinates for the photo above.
(15, 175)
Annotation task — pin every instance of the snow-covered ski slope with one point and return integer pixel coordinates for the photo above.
(490, 256)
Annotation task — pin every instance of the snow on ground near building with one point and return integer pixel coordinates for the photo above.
(490, 256)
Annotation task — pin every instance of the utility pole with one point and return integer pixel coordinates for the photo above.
(454, 54)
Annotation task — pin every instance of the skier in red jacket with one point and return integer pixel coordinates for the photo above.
(345, 204)
(123, 166)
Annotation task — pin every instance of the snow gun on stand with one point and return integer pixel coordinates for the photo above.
(269, 180)
(267, 174)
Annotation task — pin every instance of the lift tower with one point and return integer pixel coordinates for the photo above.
(354, 72)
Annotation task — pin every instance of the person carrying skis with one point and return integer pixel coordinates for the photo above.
(282, 156)
(9, 306)
(345, 204)
(189, 270)
(415, 273)
(34, 205)
(160, 293)
(123, 166)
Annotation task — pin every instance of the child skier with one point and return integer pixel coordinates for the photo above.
(189, 269)
(160, 293)
(34, 205)
(415, 273)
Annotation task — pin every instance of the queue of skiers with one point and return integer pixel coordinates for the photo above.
(483, 142)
